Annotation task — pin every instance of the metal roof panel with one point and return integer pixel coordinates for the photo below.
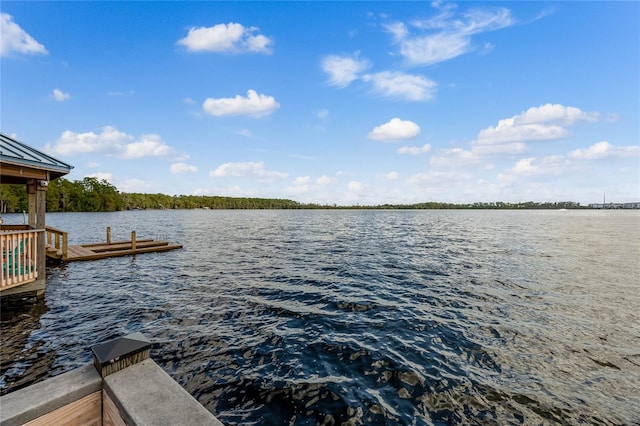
(15, 152)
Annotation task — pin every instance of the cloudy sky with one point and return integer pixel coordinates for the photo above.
(332, 102)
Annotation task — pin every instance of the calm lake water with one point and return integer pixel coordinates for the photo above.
(358, 317)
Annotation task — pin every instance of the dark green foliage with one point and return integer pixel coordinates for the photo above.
(93, 195)
(162, 201)
(86, 195)
(13, 198)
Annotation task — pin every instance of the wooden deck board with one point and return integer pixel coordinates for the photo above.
(138, 241)
(79, 251)
(94, 251)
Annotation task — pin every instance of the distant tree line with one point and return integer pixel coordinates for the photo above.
(94, 195)
(497, 205)
(134, 201)
(86, 195)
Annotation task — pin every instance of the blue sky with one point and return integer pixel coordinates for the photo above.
(332, 102)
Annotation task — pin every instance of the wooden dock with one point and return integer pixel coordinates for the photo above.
(59, 250)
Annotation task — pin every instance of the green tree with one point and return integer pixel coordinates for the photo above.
(13, 198)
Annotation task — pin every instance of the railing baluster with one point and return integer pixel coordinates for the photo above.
(19, 257)
(4, 262)
(61, 239)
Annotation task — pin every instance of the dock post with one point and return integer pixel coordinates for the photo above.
(108, 235)
(122, 387)
(65, 245)
(136, 391)
(120, 353)
(133, 240)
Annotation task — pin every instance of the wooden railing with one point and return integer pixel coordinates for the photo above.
(19, 251)
(58, 239)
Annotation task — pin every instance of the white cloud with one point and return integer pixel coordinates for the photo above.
(306, 185)
(555, 113)
(298, 189)
(14, 39)
(59, 96)
(434, 48)
(110, 141)
(201, 191)
(126, 185)
(604, 149)
(229, 191)
(343, 70)
(414, 150)
(508, 131)
(398, 29)
(435, 177)
(102, 176)
(135, 185)
(188, 101)
(391, 176)
(254, 105)
(247, 169)
(453, 36)
(545, 122)
(148, 146)
(356, 186)
(525, 166)
(395, 129)
(505, 148)
(454, 157)
(325, 180)
(551, 165)
(178, 168)
(400, 85)
(227, 38)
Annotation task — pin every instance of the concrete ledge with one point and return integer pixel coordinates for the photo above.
(44, 397)
(146, 395)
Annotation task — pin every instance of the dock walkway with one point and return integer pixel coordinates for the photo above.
(94, 251)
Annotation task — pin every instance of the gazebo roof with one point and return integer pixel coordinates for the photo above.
(20, 162)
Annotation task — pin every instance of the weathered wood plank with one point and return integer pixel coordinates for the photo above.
(80, 252)
(93, 251)
(115, 243)
(110, 412)
(85, 411)
(124, 246)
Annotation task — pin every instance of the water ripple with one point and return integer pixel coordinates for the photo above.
(360, 317)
